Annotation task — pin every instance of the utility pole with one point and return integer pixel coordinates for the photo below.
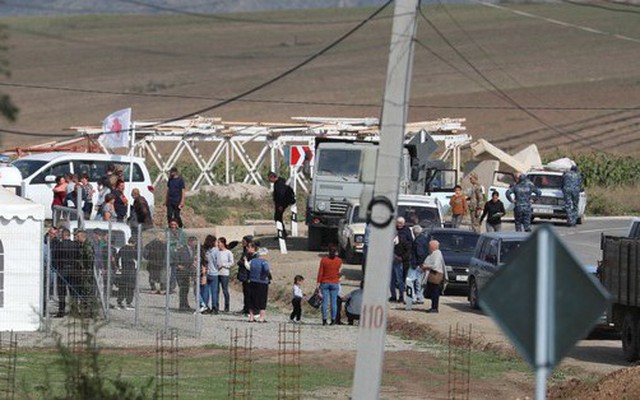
(373, 316)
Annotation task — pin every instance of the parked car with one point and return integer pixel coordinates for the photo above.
(634, 229)
(493, 250)
(39, 172)
(457, 246)
(423, 210)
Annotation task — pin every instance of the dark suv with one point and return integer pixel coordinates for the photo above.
(457, 248)
(492, 251)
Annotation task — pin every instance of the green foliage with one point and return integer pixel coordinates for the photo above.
(85, 377)
(600, 169)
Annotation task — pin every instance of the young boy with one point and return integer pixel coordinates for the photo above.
(297, 298)
(458, 205)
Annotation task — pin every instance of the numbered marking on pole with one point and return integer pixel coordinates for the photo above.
(372, 316)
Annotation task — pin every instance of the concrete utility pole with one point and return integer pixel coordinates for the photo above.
(373, 316)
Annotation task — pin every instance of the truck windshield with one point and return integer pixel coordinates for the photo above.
(424, 216)
(339, 162)
(28, 167)
(441, 180)
(547, 181)
(507, 250)
(356, 216)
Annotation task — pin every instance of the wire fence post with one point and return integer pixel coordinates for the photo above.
(198, 315)
(138, 266)
(107, 292)
(47, 289)
(167, 292)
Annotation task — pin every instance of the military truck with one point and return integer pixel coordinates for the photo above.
(619, 272)
(338, 180)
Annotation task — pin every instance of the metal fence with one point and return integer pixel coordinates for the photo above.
(146, 279)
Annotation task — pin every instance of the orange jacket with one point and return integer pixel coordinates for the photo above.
(458, 205)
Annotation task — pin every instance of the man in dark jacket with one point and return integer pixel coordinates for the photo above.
(126, 260)
(65, 259)
(420, 251)
(87, 277)
(280, 198)
(401, 259)
(121, 202)
(156, 252)
(141, 212)
(243, 273)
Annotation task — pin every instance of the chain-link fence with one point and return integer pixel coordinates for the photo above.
(144, 278)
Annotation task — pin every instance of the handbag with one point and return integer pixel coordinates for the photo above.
(315, 300)
(435, 277)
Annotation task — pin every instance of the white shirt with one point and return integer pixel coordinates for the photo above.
(212, 262)
(224, 261)
(297, 291)
(435, 262)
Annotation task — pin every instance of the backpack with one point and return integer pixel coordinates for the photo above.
(289, 195)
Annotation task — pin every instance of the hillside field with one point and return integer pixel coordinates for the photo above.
(584, 83)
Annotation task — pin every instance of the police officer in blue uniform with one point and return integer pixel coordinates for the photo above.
(571, 184)
(523, 190)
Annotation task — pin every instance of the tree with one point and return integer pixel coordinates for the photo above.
(8, 110)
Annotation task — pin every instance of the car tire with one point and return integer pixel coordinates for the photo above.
(580, 220)
(629, 336)
(474, 300)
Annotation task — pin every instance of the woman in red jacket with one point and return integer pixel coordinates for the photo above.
(329, 283)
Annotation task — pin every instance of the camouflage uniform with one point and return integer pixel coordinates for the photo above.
(87, 279)
(476, 205)
(571, 184)
(522, 210)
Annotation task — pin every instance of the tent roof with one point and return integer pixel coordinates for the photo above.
(14, 206)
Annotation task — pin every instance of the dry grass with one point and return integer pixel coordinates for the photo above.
(623, 200)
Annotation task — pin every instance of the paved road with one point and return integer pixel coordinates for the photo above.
(602, 353)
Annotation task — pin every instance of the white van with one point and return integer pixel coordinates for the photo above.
(39, 172)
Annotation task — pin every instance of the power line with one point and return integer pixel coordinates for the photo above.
(600, 6)
(561, 23)
(285, 73)
(493, 85)
(226, 18)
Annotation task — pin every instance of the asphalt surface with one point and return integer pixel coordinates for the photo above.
(601, 352)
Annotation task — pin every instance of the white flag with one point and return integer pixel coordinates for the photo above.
(115, 129)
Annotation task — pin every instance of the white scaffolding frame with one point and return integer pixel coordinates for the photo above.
(230, 141)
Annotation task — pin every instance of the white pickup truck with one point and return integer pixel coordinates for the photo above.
(416, 209)
(551, 204)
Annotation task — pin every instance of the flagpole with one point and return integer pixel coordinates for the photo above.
(131, 155)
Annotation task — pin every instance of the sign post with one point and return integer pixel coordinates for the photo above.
(381, 210)
(544, 300)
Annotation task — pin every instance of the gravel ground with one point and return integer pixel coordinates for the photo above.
(216, 329)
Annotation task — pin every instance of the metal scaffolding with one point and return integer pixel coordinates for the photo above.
(211, 142)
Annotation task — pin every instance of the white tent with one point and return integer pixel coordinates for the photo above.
(21, 265)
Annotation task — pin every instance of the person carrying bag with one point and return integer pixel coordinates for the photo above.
(436, 274)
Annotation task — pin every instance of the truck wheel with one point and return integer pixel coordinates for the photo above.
(314, 241)
(474, 300)
(579, 220)
(629, 336)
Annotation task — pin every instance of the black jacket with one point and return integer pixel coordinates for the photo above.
(280, 193)
(494, 211)
(402, 251)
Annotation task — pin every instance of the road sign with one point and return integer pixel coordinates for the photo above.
(299, 154)
(544, 300)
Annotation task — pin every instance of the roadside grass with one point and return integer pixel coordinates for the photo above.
(620, 200)
(39, 373)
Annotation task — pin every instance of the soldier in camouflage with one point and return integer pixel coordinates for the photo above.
(523, 190)
(87, 278)
(571, 184)
(476, 202)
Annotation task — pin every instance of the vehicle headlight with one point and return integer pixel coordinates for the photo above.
(466, 270)
(358, 238)
(322, 206)
(449, 269)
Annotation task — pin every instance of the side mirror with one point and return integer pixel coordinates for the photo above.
(50, 179)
